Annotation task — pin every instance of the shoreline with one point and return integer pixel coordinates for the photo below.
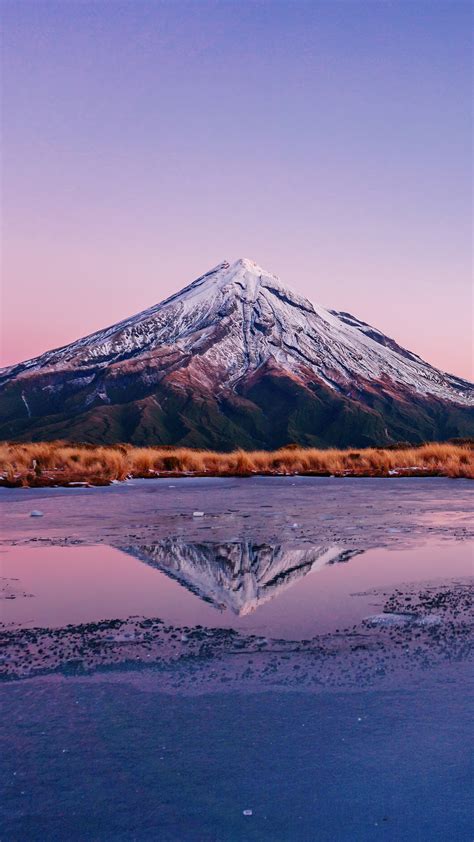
(56, 481)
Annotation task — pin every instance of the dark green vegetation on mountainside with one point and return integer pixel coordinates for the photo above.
(267, 414)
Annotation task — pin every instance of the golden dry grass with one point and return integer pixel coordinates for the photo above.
(45, 463)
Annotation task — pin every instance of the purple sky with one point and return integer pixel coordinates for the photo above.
(145, 142)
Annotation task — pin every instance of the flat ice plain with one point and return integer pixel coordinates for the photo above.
(294, 665)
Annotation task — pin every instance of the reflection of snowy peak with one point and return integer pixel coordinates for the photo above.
(231, 341)
(238, 576)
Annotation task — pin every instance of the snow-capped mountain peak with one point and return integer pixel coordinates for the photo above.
(244, 277)
(232, 335)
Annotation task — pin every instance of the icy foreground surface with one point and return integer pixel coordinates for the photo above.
(356, 766)
(237, 318)
(153, 726)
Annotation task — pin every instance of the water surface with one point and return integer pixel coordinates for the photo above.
(280, 590)
(228, 678)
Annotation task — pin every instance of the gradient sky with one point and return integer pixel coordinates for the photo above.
(145, 142)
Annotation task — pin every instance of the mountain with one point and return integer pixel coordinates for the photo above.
(236, 359)
(238, 576)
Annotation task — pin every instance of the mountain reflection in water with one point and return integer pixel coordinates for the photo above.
(238, 576)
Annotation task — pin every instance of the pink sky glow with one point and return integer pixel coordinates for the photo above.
(329, 142)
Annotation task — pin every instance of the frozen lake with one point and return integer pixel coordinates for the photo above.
(302, 651)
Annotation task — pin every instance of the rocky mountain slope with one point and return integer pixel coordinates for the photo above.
(235, 359)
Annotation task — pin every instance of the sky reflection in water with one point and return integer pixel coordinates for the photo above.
(276, 590)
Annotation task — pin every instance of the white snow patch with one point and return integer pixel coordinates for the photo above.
(23, 397)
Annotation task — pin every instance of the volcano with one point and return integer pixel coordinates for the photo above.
(236, 359)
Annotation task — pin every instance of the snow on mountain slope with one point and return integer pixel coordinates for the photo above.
(233, 320)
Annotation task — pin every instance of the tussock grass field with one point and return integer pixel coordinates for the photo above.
(60, 463)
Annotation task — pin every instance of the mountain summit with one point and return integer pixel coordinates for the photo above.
(234, 359)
